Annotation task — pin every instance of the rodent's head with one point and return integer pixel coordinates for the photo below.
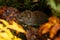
(25, 17)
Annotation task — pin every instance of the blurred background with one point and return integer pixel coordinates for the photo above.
(27, 5)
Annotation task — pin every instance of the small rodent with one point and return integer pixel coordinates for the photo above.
(32, 17)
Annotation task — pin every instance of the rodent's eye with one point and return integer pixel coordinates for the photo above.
(21, 15)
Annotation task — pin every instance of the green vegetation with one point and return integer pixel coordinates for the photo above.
(55, 7)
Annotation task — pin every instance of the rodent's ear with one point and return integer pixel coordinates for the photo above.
(29, 15)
